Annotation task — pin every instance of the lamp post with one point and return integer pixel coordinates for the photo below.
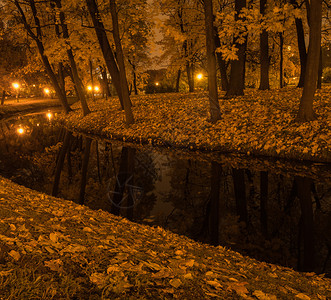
(16, 86)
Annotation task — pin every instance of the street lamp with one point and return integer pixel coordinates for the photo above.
(199, 76)
(49, 115)
(20, 130)
(46, 91)
(96, 89)
(16, 86)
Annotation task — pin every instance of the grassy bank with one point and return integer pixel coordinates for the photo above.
(259, 123)
(56, 249)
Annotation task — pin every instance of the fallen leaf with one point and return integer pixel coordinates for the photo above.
(302, 296)
(54, 265)
(87, 229)
(175, 283)
(98, 278)
(214, 283)
(53, 237)
(14, 254)
(263, 296)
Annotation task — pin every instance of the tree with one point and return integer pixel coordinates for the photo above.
(237, 74)
(111, 62)
(301, 46)
(77, 80)
(121, 64)
(306, 111)
(37, 36)
(264, 52)
(182, 40)
(215, 113)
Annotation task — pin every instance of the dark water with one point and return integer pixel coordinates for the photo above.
(279, 212)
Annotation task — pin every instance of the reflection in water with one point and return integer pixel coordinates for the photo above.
(273, 217)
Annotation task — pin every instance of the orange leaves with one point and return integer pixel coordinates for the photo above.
(260, 122)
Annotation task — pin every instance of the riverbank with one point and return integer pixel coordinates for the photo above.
(261, 123)
(56, 249)
(26, 105)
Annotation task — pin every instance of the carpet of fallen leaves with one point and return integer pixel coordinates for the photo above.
(56, 249)
(259, 123)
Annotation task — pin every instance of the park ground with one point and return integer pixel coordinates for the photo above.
(261, 123)
(55, 249)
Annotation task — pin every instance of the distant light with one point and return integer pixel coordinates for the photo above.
(49, 115)
(89, 87)
(96, 88)
(34, 85)
(20, 130)
(46, 90)
(199, 76)
(289, 48)
(156, 83)
(16, 85)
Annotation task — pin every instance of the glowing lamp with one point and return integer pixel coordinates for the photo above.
(20, 130)
(16, 85)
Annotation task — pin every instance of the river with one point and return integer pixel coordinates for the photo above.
(272, 210)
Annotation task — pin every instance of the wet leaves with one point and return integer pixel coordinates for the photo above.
(261, 122)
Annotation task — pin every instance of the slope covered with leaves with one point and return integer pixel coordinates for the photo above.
(56, 249)
(259, 123)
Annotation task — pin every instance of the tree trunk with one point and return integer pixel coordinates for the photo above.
(215, 113)
(237, 73)
(264, 53)
(61, 77)
(301, 46)
(190, 76)
(105, 47)
(91, 78)
(105, 82)
(178, 80)
(320, 71)
(120, 59)
(281, 60)
(221, 63)
(306, 111)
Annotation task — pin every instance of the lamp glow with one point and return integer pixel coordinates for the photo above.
(96, 88)
(20, 130)
(89, 87)
(16, 85)
(199, 76)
